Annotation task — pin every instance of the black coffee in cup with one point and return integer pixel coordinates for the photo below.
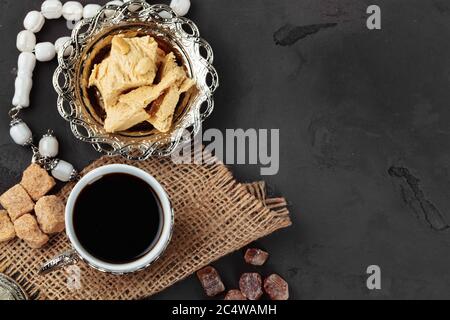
(118, 218)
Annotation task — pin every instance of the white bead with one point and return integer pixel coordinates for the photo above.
(62, 171)
(26, 64)
(52, 9)
(23, 85)
(180, 7)
(48, 146)
(34, 21)
(133, 7)
(45, 51)
(72, 11)
(90, 10)
(109, 13)
(26, 41)
(59, 45)
(21, 133)
(165, 15)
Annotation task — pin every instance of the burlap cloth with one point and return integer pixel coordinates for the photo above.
(214, 216)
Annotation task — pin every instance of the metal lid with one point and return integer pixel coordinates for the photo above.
(10, 290)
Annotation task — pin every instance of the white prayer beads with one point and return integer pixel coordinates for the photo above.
(52, 9)
(21, 133)
(60, 43)
(26, 64)
(90, 10)
(48, 146)
(63, 171)
(45, 51)
(23, 85)
(180, 7)
(34, 21)
(72, 11)
(26, 41)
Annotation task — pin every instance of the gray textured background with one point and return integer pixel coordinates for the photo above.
(364, 120)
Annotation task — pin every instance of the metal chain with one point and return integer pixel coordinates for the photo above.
(46, 163)
(14, 112)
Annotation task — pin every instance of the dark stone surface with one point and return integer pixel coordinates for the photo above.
(365, 136)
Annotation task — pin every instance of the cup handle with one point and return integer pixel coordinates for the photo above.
(65, 259)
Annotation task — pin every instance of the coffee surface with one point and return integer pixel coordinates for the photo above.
(117, 218)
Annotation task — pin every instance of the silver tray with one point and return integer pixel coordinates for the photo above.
(184, 37)
(10, 290)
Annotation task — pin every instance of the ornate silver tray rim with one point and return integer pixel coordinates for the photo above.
(11, 288)
(197, 52)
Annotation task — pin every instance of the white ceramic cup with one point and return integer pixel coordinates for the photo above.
(79, 252)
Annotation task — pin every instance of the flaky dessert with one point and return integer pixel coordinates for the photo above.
(139, 82)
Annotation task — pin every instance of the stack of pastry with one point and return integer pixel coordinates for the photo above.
(138, 83)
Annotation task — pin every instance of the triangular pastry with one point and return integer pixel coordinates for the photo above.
(163, 109)
(131, 64)
(139, 82)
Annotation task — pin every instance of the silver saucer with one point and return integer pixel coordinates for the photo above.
(11, 290)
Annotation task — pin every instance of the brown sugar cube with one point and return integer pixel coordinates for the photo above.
(17, 201)
(50, 214)
(256, 257)
(251, 286)
(7, 231)
(276, 287)
(37, 182)
(211, 281)
(27, 229)
(235, 295)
